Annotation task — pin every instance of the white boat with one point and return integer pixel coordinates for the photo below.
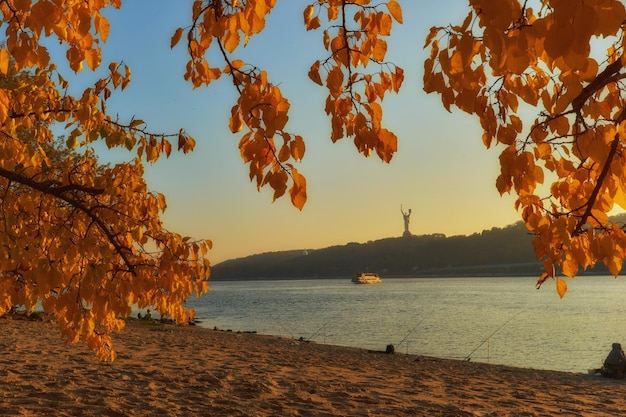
(367, 278)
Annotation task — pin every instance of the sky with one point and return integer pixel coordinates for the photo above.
(441, 171)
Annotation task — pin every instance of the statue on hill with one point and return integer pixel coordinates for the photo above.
(407, 219)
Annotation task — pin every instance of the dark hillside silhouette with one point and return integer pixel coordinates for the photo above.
(496, 252)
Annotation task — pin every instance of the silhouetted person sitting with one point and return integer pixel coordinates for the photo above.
(615, 362)
(148, 315)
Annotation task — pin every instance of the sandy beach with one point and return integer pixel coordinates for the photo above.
(168, 370)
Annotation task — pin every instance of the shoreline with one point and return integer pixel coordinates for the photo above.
(169, 370)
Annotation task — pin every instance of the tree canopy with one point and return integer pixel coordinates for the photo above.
(545, 79)
(81, 239)
(85, 239)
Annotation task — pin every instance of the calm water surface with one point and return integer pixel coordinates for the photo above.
(495, 320)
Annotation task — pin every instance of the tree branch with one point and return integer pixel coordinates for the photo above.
(61, 194)
(600, 182)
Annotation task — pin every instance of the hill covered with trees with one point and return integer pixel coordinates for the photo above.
(495, 252)
(499, 251)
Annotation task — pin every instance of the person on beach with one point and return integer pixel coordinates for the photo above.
(615, 362)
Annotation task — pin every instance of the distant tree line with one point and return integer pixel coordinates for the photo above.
(499, 251)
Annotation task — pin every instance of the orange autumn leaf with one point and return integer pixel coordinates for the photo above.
(314, 73)
(395, 10)
(298, 190)
(4, 105)
(569, 267)
(561, 287)
(334, 81)
(4, 61)
(176, 37)
(297, 148)
(236, 122)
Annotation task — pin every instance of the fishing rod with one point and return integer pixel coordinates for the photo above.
(282, 327)
(318, 330)
(469, 357)
(410, 332)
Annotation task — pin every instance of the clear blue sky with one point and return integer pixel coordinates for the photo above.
(441, 171)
